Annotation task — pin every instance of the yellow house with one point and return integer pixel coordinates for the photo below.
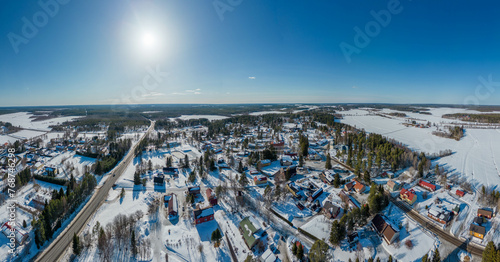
(477, 231)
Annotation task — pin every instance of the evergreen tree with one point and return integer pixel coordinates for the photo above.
(137, 178)
(240, 167)
(436, 257)
(425, 258)
(318, 252)
(76, 245)
(294, 249)
(133, 244)
(300, 252)
(328, 164)
(122, 193)
(336, 181)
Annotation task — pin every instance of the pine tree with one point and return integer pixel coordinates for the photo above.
(133, 244)
(294, 249)
(336, 181)
(76, 245)
(137, 178)
(122, 193)
(328, 164)
(300, 252)
(436, 257)
(425, 258)
(240, 167)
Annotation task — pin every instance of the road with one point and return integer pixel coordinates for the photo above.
(54, 251)
(475, 250)
(423, 221)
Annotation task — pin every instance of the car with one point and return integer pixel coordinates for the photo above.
(114, 174)
(183, 208)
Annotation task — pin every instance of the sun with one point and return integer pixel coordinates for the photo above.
(149, 41)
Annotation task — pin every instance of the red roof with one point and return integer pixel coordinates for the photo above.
(408, 194)
(427, 184)
(260, 178)
(460, 193)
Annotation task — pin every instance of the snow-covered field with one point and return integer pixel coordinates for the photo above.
(209, 117)
(476, 155)
(259, 113)
(319, 227)
(23, 120)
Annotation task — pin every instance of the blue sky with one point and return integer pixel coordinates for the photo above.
(247, 51)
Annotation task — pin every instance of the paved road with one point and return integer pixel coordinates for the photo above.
(423, 221)
(54, 251)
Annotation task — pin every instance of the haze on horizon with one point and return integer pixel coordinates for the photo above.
(57, 52)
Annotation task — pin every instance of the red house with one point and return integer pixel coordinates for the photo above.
(460, 193)
(427, 185)
(212, 199)
(203, 215)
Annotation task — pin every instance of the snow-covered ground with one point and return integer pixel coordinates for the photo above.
(319, 226)
(476, 156)
(209, 117)
(259, 113)
(23, 120)
(421, 240)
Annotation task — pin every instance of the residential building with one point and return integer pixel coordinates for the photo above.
(212, 199)
(330, 210)
(477, 231)
(393, 185)
(482, 212)
(260, 180)
(427, 185)
(388, 232)
(203, 215)
(408, 196)
(251, 232)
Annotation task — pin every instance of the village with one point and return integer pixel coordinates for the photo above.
(299, 187)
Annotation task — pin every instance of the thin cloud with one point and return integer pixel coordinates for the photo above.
(153, 94)
(354, 87)
(251, 77)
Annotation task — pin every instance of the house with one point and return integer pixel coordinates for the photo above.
(173, 208)
(460, 193)
(393, 185)
(359, 187)
(427, 185)
(438, 214)
(315, 195)
(408, 196)
(260, 180)
(171, 171)
(286, 161)
(159, 180)
(349, 186)
(194, 190)
(293, 189)
(385, 229)
(251, 232)
(212, 199)
(203, 215)
(482, 212)
(327, 176)
(330, 210)
(477, 231)
(166, 199)
(268, 256)
(265, 162)
(20, 235)
(478, 220)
